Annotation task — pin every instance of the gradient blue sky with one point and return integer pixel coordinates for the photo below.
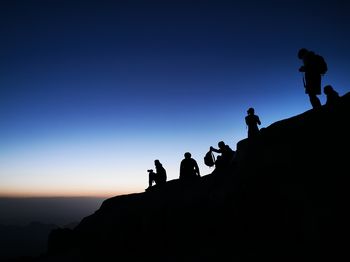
(91, 92)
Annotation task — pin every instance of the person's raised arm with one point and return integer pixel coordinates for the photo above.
(215, 150)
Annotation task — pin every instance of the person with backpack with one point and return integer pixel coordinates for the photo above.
(189, 169)
(225, 160)
(314, 66)
(252, 121)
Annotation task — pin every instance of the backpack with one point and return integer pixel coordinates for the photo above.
(321, 64)
(209, 159)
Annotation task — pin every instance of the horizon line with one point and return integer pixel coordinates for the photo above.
(64, 196)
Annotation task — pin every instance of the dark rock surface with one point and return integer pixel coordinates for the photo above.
(285, 199)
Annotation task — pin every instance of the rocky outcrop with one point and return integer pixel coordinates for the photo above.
(284, 199)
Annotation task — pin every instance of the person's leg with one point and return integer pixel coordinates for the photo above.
(313, 87)
(150, 179)
(315, 102)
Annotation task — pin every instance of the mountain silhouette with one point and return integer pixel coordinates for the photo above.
(24, 241)
(284, 200)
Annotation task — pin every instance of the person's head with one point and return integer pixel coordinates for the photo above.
(302, 53)
(221, 145)
(328, 89)
(250, 111)
(157, 163)
(187, 155)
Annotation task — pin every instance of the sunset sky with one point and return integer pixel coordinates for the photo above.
(92, 92)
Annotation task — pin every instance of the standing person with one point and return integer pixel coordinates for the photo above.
(252, 122)
(189, 168)
(313, 68)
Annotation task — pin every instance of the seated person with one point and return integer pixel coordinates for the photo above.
(159, 177)
(223, 161)
(189, 168)
(332, 95)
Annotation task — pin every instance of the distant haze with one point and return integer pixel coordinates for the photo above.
(51, 210)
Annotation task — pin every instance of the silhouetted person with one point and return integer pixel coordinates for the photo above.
(332, 95)
(159, 177)
(313, 67)
(224, 160)
(252, 122)
(152, 177)
(189, 168)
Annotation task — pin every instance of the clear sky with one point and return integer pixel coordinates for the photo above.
(92, 92)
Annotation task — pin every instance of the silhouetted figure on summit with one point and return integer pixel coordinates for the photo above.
(159, 177)
(189, 168)
(332, 95)
(223, 161)
(252, 122)
(152, 177)
(313, 68)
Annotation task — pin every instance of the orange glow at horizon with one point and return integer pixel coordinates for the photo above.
(69, 192)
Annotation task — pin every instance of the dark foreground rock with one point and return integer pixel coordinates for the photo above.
(285, 199)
